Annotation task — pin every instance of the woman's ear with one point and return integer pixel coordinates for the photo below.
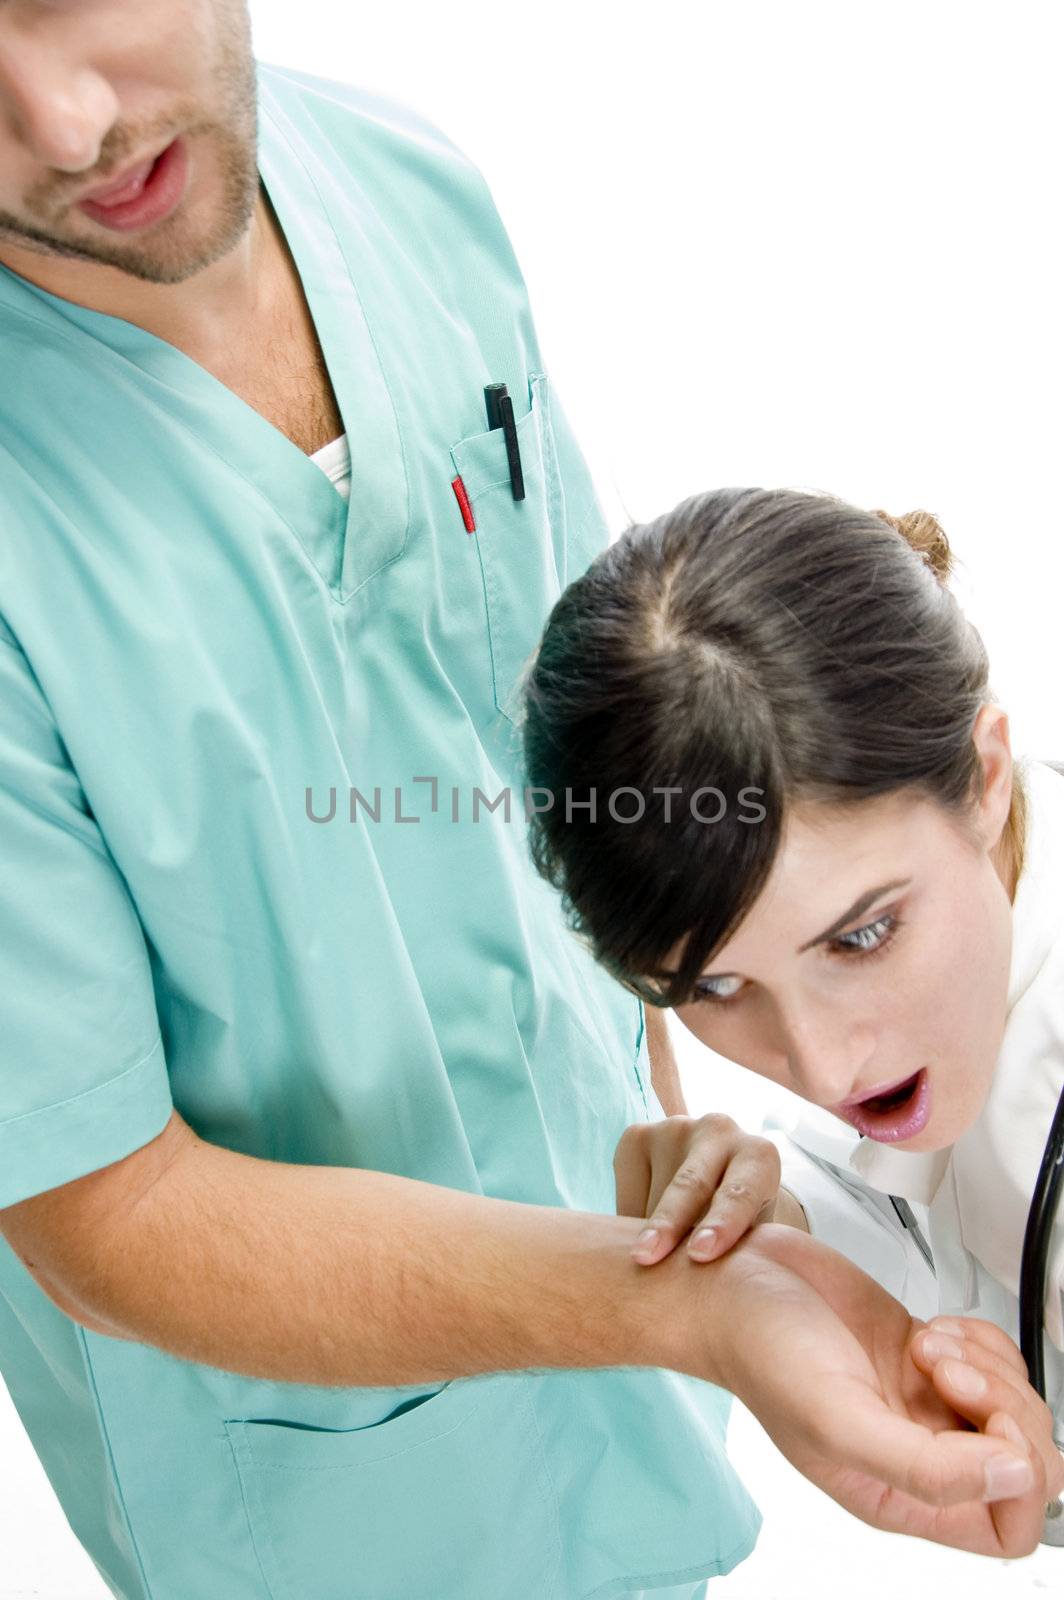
(990, 736)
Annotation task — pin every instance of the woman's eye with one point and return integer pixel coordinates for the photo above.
(870, 939)
(716, 989)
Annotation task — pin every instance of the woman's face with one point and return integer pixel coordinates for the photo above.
(876, 956)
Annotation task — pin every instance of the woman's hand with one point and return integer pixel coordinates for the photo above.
(698, 1176)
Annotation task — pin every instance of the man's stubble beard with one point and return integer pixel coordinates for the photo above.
(234, 138)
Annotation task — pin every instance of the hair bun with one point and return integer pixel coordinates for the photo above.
(924, 533)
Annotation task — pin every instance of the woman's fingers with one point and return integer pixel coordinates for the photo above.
(720, 1189)
(631, 1172)
(704, 1175)
(750, 1182)
(685, 1193)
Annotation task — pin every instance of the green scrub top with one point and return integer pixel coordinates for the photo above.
(198, 630)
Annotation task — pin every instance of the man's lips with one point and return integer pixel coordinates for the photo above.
(125, 186)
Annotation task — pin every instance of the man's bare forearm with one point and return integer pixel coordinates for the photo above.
(337, 1276)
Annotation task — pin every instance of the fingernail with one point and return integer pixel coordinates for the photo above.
(704, 1241)
(964, 1379)
(1007, 1478)
(943, 1325)
(646, 1241)
(936, 1349)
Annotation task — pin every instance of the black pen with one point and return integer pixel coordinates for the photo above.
(500, 410)
(492, 395)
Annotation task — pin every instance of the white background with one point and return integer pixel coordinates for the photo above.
(801, 244)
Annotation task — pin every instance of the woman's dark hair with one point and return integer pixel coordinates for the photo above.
(757, 640)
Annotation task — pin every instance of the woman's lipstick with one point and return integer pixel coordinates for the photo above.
(147, 196)
(893, 1115)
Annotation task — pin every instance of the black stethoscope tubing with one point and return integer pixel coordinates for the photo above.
(1034, 1262)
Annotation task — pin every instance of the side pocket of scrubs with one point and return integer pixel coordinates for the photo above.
(450, 1498)
(515, 540)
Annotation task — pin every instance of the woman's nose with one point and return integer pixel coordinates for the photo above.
(827, 1055)
(59, 110)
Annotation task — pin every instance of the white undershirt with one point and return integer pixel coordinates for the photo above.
(334, 459)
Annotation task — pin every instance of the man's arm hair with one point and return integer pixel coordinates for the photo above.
(339, 1276)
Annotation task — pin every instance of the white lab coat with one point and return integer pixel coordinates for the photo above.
(969, 1201)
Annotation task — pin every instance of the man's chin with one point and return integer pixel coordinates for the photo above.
(162, 262)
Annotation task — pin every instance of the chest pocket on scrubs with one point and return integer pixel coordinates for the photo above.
(515, 540)
(448, 1499)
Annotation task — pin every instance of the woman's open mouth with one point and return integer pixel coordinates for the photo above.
(895, 1114)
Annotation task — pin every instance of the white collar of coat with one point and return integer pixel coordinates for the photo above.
(995, 1164)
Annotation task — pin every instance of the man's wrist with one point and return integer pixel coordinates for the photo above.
(665, 1315)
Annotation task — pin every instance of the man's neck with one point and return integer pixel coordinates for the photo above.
(201, 316)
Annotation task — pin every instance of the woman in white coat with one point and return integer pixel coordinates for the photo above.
(807, 834)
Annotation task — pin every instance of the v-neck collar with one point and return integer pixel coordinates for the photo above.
(347, 540)
(301, 189)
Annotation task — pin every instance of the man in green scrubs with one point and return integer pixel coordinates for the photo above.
(308, 1100)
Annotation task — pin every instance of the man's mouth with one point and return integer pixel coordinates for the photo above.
(146, 196)
(123, 187)
(893, 1113)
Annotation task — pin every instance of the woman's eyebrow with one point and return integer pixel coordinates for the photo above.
(855, 910)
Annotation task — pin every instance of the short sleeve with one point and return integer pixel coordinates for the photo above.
(83, 1078)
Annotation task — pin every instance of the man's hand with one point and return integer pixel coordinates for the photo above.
(694, 1173)
(858, 1398)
